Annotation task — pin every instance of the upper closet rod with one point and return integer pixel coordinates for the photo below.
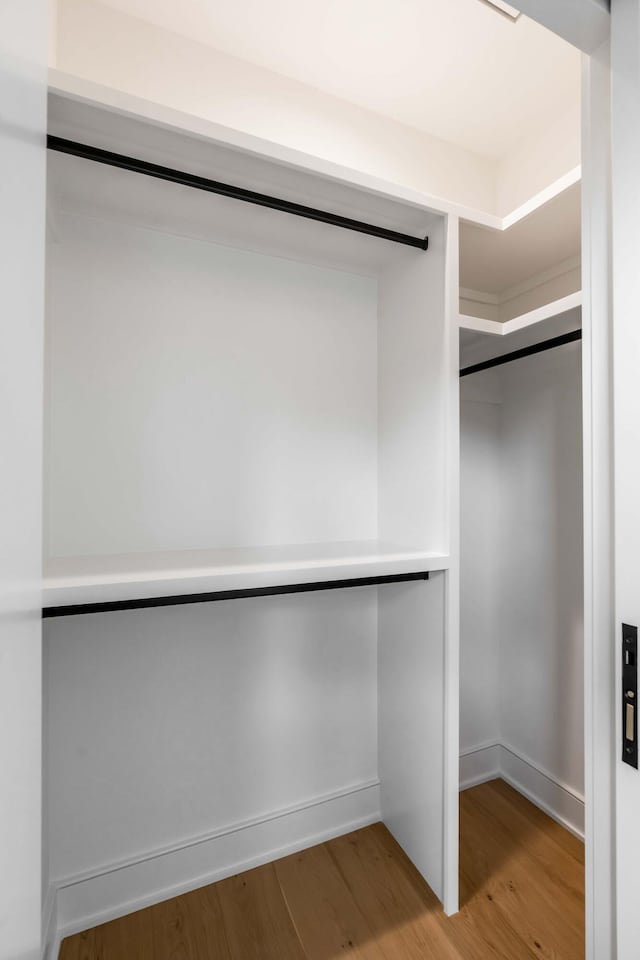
(524, 352)
(227, 190)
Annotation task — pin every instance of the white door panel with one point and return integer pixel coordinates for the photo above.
(23, 50)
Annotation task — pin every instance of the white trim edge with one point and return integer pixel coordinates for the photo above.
(554, 189)
(546, 312)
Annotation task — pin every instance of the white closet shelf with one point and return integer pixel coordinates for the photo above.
(502, 329)
(121, 579)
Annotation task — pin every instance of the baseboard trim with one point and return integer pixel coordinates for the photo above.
(114, 890)
(479, 764)
(553, 796)
(490, 760)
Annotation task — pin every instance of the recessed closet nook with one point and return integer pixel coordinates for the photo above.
(312, 553)
(245, 407)
(521, 640)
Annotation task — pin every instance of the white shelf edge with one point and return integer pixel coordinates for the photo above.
(545, 312)
(148, 583)
(480, 325)
(118, 101)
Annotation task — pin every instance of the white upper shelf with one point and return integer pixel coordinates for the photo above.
(108, 579)
(502, 329)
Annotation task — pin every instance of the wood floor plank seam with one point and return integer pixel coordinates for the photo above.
(293, 919)
(358, 895)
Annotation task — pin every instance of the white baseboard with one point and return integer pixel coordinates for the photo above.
(558, 799)
(553, 796)
(115, 890)
(479, 764)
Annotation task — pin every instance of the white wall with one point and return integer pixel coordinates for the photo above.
(23, 52)
(522, 631)
(480, 412)
(542, 159)
(175, 724)
(185, 376)
(542, 680)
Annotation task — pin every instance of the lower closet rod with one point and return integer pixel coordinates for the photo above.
(97, 154)
(524, 352)
(70, 610)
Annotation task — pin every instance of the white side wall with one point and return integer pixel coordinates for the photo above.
(523, 632)
(23, 51)
(480, 411)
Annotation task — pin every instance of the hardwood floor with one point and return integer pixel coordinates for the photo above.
(522, 890)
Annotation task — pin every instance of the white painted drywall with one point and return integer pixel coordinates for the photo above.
(542, 158)
(165, 725)
(542, 682)
(480, 411)
(522, 634)
(601, 690)
(23, 53)
(184, 375)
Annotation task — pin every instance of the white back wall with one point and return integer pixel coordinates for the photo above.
(542, 679)
(480, 411)
(521, 636)
(168, 724)
(23, 52)
(198, 398)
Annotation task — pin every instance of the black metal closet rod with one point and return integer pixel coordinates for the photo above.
(524, 352)
(227, 190)
(70, 610)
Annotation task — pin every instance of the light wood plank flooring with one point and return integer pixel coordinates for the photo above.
(522, 889)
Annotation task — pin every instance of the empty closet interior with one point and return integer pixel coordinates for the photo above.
(246, 514)
(521, 509)
(271, 314)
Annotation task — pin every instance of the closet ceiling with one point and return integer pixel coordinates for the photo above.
(456, 69)
(492, 261)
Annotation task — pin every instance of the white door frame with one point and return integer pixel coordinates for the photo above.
(625, 280)
(599, 619)
(23, 103)
(586, 24)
